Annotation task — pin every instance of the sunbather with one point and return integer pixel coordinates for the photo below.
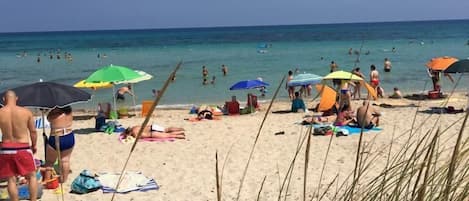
(367, 115)
(155, 131)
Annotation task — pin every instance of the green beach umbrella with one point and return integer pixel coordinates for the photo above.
(113, 73)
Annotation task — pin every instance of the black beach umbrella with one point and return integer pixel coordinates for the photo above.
(48, 95)
(461, 66)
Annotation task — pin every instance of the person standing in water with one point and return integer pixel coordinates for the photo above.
(387, 65)
(204, 72)
(224, 69)
(290, 89)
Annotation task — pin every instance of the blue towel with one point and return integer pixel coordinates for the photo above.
(357, 130)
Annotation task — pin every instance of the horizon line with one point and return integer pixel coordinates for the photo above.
(234, 26)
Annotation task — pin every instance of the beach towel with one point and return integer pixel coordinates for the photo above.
(356, 130)
(132, 139)
(131, 181)
(40, 122)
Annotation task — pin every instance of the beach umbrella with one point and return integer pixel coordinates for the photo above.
(113, 74)
(48, 95)
(342, 75)
(248, 84)
(440, 63)
(92, 85)
(143, 77)
(304, 79)
(461, 66)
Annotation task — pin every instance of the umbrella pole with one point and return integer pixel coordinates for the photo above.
(44, 136)
(114, 98)
(133, 99)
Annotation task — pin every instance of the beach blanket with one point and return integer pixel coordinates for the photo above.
(131, 181)
(132, 139)
(350, 130)
(357, 130)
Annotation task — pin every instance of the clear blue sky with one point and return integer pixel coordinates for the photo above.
(55, 15)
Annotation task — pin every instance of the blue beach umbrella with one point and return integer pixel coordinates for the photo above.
(304, 79)
(248, 84)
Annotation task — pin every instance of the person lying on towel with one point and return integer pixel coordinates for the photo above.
(155, 131)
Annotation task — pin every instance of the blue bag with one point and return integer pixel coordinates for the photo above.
(85, 183)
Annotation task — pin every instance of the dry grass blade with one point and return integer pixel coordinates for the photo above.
(257, 137)
(308, 145)
(329, 186)
(144, 124)
(429, 156)
(217, 178)
(324, 165)
(260, 189)
(454, 157)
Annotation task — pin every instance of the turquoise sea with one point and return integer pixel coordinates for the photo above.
(310, 48)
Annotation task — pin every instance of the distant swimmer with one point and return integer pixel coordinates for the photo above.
(51, 56)
(98, 56)
(467, 43)
(322, 58)
(58, 56)
(38, 59)
(213, 80)
(387, 65)
(367, 52)
(393, 49)
(333, 66)
(350, 51)
(205, 82)
(204, 71)
(224, 69)
(155, 92)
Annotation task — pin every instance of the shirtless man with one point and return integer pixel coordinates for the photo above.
(367, 115)
(374, 76)
(122, 91)
(156, 131)
(387, 65)
(16, 154)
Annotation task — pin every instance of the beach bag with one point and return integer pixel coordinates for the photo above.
(85, 183)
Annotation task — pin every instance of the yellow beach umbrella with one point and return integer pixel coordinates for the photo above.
(92, 85)
(342, 75)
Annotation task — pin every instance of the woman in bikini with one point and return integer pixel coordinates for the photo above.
(155, 131)
(61, 120)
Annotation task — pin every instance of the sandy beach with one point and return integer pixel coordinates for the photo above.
(185, 169)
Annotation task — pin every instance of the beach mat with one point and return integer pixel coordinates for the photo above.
(356, 130)
(131, 181)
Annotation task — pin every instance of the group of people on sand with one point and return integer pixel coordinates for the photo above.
(304, 91)
(366, 116)
(19, 143)
(224, 70)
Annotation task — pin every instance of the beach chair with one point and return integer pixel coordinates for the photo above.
(252, 101)
(232, 108)
(105, 109)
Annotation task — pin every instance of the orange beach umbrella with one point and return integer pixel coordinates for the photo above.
(441, 63)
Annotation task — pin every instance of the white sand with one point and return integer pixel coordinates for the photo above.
(185, 169)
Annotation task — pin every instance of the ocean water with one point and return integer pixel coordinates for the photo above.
(310, 48)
